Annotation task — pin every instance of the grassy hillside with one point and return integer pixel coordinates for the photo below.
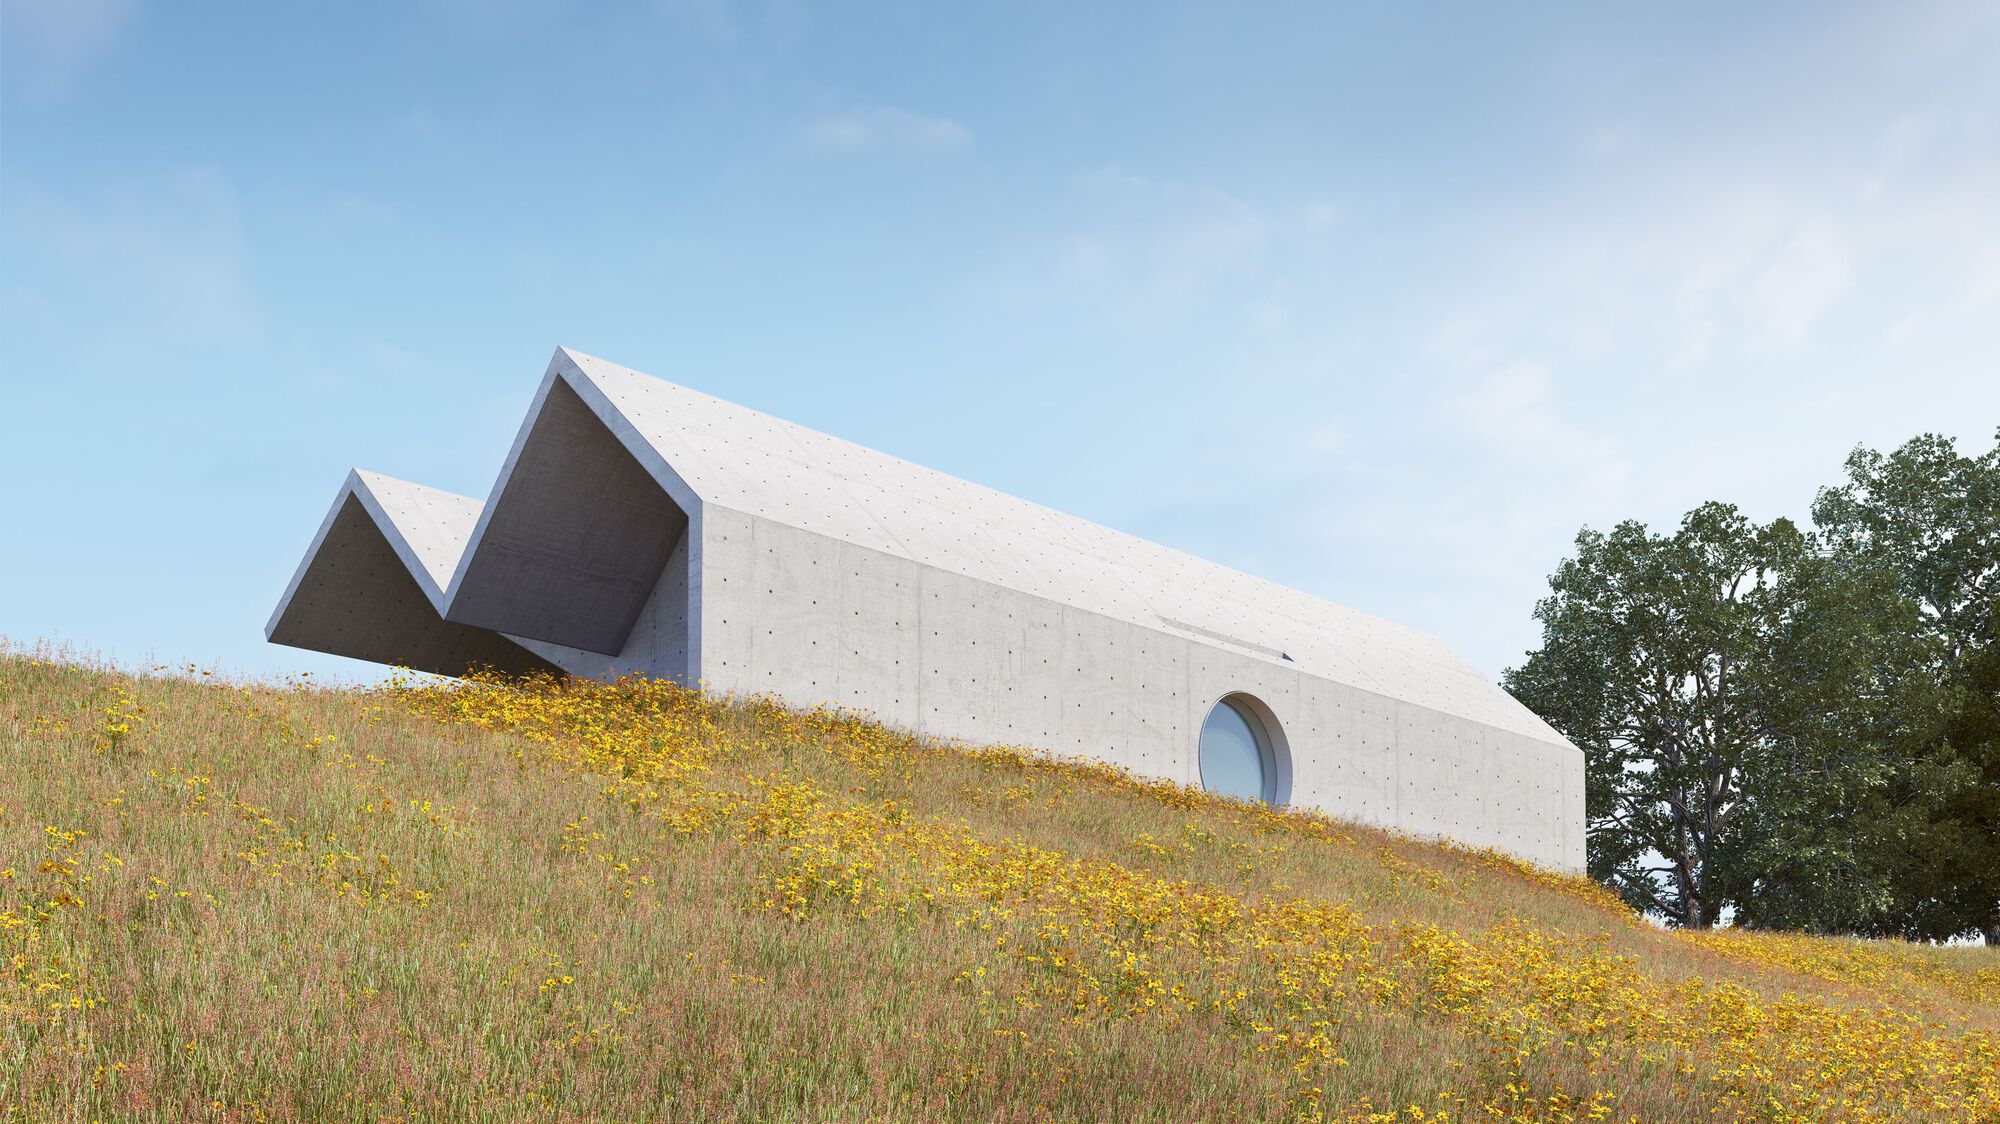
(537, 902)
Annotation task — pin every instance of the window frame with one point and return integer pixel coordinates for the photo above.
(1273, 749)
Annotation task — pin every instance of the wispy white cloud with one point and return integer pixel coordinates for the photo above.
(161, 258)
(1720, 329)
(1141, 251)
(1511, 413)
(56, 41)
(1802, 277)
(1682, 327)
(884, 128)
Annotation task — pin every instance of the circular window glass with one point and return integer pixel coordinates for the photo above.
(1236, 757)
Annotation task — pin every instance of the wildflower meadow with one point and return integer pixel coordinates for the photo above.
(546, 900)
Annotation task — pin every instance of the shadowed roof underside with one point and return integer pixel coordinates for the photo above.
(369, 587)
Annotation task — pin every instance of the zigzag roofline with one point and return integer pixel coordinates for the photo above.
(369, 585)
(695, 450)
(564, 370)
(367, 488)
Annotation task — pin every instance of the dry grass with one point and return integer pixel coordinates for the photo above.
(484, 902)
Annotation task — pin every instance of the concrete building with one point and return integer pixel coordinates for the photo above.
(638, 526)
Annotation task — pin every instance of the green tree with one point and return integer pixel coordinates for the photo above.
(1931, 517)
(1958, 888)
(1846, 678)
(1655, 661)
(1799, 729)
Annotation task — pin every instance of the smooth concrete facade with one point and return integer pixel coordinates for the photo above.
(638, 526)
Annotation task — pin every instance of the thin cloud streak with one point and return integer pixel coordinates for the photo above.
(884, 128)
(53, 43)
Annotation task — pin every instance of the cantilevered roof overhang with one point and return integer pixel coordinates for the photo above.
(371, 584)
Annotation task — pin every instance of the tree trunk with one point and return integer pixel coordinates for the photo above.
(1697, 915)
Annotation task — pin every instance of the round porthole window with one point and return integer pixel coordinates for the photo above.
(1240, 754)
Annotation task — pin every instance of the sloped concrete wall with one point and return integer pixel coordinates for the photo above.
(728, 456)
(658, 645)
(812, 619)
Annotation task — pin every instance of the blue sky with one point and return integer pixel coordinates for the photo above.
(1380, 301)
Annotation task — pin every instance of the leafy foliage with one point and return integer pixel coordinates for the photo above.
(1931, 518)
(1796, 728)
(1654, 662)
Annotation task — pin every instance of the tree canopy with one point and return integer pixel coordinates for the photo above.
(1793, 727)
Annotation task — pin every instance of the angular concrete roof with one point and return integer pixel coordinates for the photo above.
(371, 585)
(702, 450)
